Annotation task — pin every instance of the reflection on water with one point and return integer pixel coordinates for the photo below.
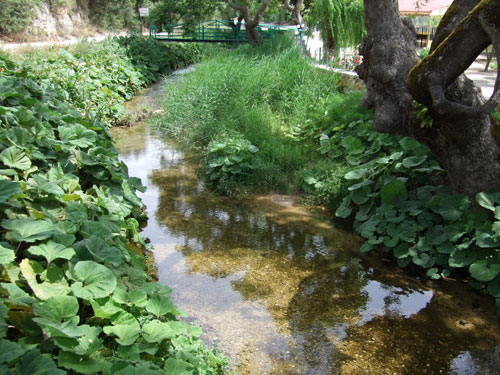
(283, 292)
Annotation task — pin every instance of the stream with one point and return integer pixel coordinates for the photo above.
(282, 291)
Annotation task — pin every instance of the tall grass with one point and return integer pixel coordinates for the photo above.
(260, 93)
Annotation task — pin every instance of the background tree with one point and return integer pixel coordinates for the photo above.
(340, 22)
(431, 100)
(252, 12)
(190, 12)
(296, 10)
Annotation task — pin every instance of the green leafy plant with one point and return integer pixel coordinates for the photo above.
(76, 296)
(230, 161)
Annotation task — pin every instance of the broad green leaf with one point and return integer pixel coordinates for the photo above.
(401, 251)
(482, 271)
(352, 145)
(488, 200)
(132, 298)
(366, 247)
(105, 308)
(8, 189)
(68, 328)
(34, 363)
(433, 273)
(52, 250)
(17, 296)
(14, 157)
(127, 333)
(6, 255)
(10, 351)
(414, 161)
(140, 370)
(423, 260)
(436, 235)
(156, 331)
(450, 207)
(160, 306)
(102, 252)
(89, 342)
(361, 196)
(393, 192)
(81, 364)
(195, 331)
(93, 280)
(461, 258)
(25, 230)
(356, 174)
(344, 210)
(44, 290)
(58, 308)
(174, 366)
(494, 288)
(77, 135)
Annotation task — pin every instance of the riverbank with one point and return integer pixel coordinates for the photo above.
(280, 290)
(265, 120)
(76, 293)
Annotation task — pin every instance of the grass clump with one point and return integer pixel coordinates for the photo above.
(260, 94)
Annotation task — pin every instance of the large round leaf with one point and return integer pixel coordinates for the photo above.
(93, 280)
(393, 192)
(59, 307)
(8, 189)
(483, 271)
(52, 250)
(14, 157)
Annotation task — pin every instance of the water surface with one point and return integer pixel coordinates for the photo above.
(281, 291)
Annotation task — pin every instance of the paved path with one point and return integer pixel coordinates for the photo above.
(15, 46)
(485, 80)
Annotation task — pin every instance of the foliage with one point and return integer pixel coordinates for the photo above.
(153, 59)
(390, 187)
(75, 293)
(15, 15)
(97, 77)
(258, 93)
(230, 161)
(190, 12)
(114, 14)
(341, 22)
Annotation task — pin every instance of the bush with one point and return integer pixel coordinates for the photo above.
(15, 15)
(97, 78)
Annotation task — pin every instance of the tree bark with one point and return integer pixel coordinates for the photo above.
(296, 11)
(460, 135)
(251, 23)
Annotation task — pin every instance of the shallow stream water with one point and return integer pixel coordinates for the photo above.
(282, 291)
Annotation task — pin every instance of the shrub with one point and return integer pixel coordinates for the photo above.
(15, 15)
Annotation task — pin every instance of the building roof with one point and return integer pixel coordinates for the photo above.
(429, 8)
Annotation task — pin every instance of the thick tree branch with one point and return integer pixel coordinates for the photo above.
(296, 10)
(456, 53)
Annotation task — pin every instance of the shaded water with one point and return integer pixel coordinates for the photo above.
(283, 292)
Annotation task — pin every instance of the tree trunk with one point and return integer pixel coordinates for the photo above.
(251, 24)
(460, 135)
(254, 37)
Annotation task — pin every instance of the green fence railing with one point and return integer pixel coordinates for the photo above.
(216, 31)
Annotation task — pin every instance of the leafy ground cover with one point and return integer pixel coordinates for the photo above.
(96, 78)
(268, 121)
(75, 294)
